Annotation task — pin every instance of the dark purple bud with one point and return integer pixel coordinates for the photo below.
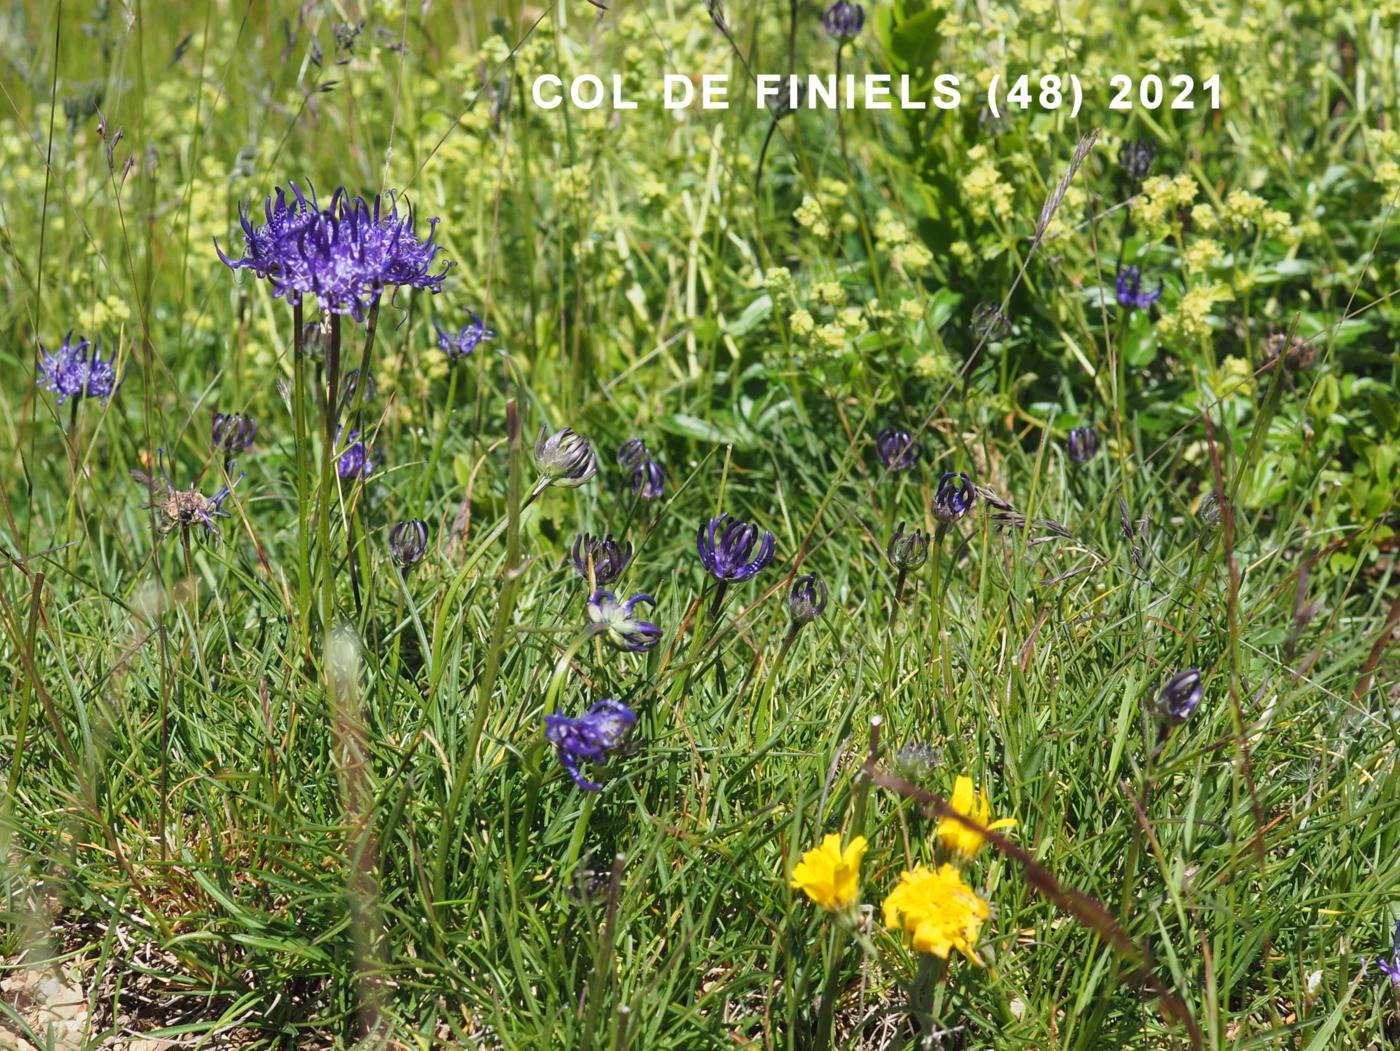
(232, 433)
(954, 497)
(807, 599)
(357, 458)
(727, 548)
(843, 20)
(408, 541)
(1135, 157)
(632, 452)
(350, 387)
(1391, 967)
(989, 324)
(1083, 443)
(1130, 292)
(648, 480)
(605, 556)
(1209, 511)
(590, 737)
(620, 625)
(897, 448)
(907, 550)
(1178, 698)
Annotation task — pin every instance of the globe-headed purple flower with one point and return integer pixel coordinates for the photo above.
(343, 256)
(565, 458)
(1083, 443)
(620, 625)
(807, 599)
(954, 497)
(907, 550)
(727, 549)
(232, 433)
(897, 448)
(590, 737)
(605, 556)
(458, 345)
(843, 20)
(1178, 698)
(408, 541)
(1130, 291)
(356, 460)
(76, 370)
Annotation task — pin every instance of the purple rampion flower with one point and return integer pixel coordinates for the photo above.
(76, 370)
(807, 599)
(632, 452)
(232, 433)
(604, 555)
(1083, 443)
(408, 541)
(897, 448)
(357, 459)
(460, 344)
(615, 619)
(1179, 697)
(589, 737)
(1391, 967)
(729, 555)
(344, 255)
(843, 20)
(954, 496)
(1130, 293)
(648, 480)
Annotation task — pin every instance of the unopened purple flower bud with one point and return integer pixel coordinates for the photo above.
(408, 541)
(648, 480)
(807, 599)
(1178, 698)
(843, 20)
(1135, 157)
(727, 548)
(357, 459)
(1083, 443)
(232, 433)
(907, 550)
(632, 452)
(954, 497)
(606, 557)
(897, 448)
(565, 457)
(621, 628)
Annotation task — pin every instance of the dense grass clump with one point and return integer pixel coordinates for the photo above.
(751, 577)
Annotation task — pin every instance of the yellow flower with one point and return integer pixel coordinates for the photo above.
(829, 875)
(970, 803)
(937, 911)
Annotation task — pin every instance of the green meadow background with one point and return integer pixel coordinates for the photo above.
(266, 789)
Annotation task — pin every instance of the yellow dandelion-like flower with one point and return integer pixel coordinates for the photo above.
(937, 911)
(829, 875)
(971, 803)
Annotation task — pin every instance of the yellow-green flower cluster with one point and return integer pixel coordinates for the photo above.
(1155, 208)
(1190, 322)
(987, 194)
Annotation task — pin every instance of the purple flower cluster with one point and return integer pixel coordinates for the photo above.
(1130, 291)
(648, 479)
(460, 344)
(590, 737)
(77, 370)
(620, 625)
(356, 460)
(343, 256)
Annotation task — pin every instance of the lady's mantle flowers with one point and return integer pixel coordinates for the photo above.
(968, 801)
(830, 875)
(937, 911)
